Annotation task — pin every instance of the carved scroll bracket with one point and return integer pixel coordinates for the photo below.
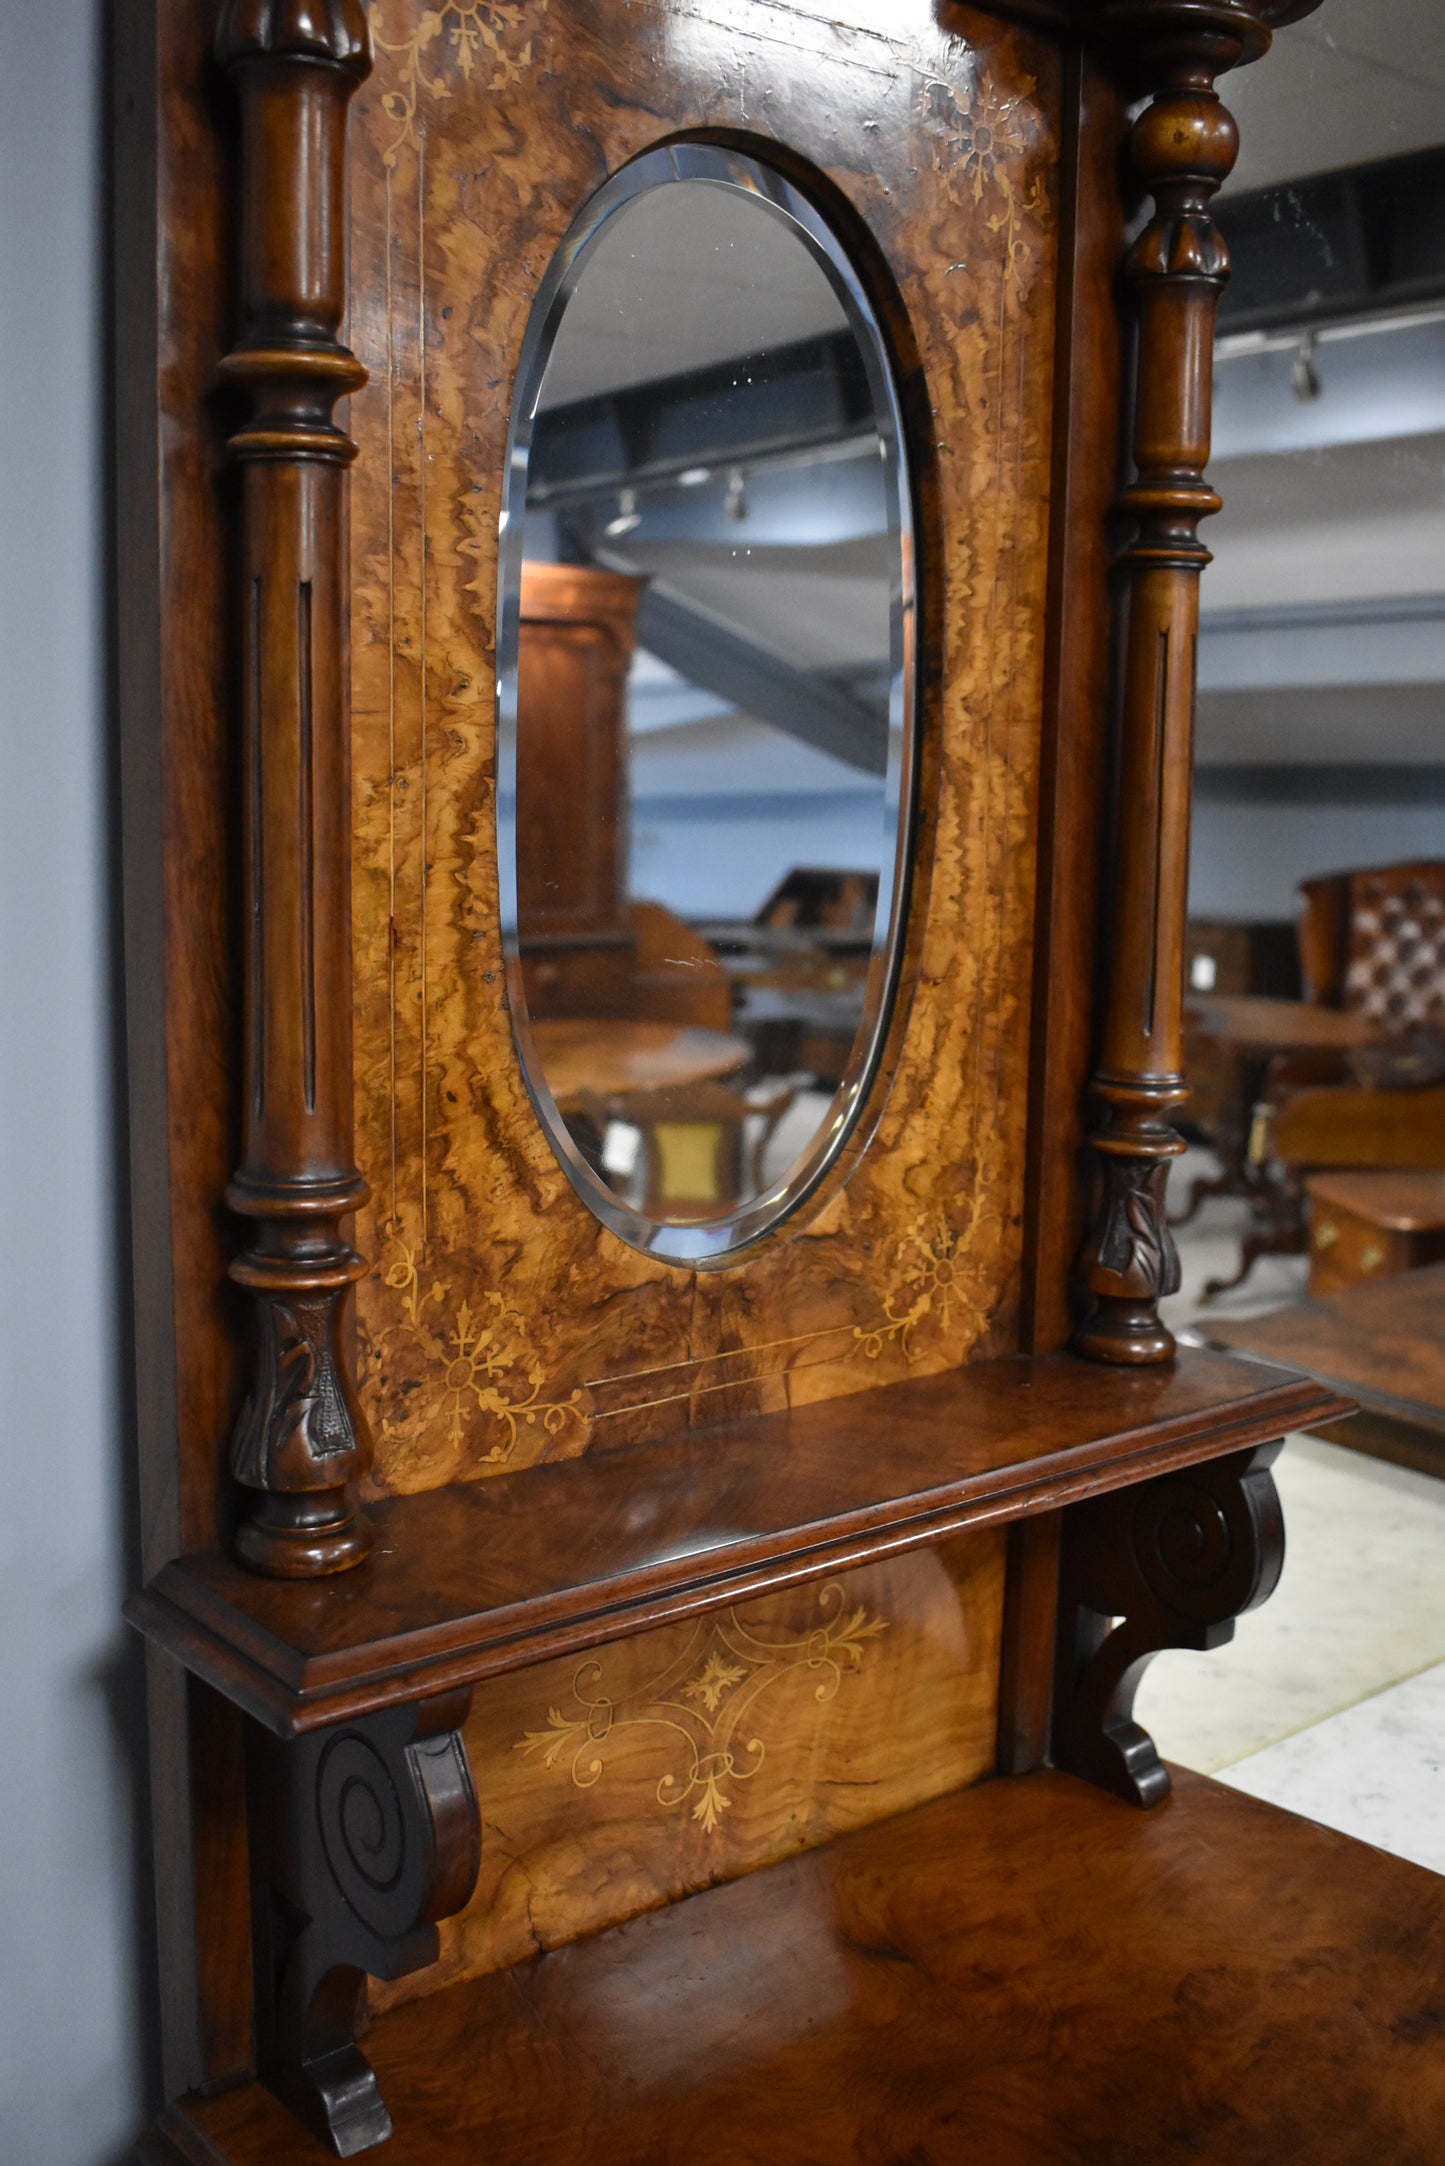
(302, 1439)
(1175, 1561)
(362, 1838)
(1184, 144)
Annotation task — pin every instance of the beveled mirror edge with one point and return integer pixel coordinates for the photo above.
(754, 167)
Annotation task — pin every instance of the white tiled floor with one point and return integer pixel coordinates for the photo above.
(1376, 1771)
(1331, 1698)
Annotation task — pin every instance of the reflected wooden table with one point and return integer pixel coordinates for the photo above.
(1382, 1345)
(1252, 1026)
(603, 1057)
(1248, 1031)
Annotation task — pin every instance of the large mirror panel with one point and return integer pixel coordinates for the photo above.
(706, 689)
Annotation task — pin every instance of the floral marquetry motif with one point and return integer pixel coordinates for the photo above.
(481, 133)
(705, 1705)
(698, 1750)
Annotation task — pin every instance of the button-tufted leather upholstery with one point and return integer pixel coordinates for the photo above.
(1395, 957)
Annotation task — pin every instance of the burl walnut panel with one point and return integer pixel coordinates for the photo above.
(611, 1783)
(501, 1323)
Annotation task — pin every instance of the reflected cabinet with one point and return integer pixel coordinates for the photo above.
(657, 769)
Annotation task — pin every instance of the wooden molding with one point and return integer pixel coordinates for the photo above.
(484, 1578)
(302, 1441)
(1168, 1563)
(1184, 144)
(362, 1838)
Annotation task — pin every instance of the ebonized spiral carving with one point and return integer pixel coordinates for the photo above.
(1176, 1560)
(362, 1838)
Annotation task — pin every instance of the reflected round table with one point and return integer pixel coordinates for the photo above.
(603, 1056)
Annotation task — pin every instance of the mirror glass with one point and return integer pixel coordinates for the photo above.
(705, 678)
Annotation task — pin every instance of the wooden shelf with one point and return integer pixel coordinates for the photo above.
(1024, 1974)
(489, 1576)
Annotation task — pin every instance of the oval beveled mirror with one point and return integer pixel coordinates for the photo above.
(705, 680)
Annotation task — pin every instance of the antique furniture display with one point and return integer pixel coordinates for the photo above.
(724, 490)
(1381, 1343)
(705, 470)
(1373, 942)
(1373, 1225)
(1306, 1092)
(1247, 1037)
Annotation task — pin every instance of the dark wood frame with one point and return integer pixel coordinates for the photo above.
(214, 594)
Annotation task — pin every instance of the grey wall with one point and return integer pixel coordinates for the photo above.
(70, 2021)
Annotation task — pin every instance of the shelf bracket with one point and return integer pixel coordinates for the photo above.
(1168, 1563)
(362, 1836)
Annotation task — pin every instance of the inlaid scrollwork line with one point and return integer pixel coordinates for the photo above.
(1169, 1563)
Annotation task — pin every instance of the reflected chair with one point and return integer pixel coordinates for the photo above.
(701, 1145)
(1372, 942)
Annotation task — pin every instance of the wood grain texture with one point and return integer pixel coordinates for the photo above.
(504, 1324)
(692, 1754)
(1384, 1344)
(301, 1441)
(1183, 145)
(484, 1577)
(1223, 1985)
(1074, 812)
(174, 663)
(1366, 1226)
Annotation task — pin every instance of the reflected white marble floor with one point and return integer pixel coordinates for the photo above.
(1330, 1700)
(1376, 1772)
(1360, 1605)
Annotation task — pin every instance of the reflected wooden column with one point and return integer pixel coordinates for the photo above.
(1184, 144)
(301, 1443)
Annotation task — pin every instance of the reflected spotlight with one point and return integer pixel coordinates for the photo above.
(628, 518)
(1304, 377)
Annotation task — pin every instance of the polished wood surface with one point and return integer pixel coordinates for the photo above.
(607, 1058)
(575, 641)
(1028, 1974)
(1404, 1202)
(1167, 1563)
(1073, 808)
(1342, 1126)
(470, 159)
(500, 1325)
(489, 1576)
(301, 1441)
(1373, 1225)
(612, 1783)
(1249, 1023)
(1183, 147)
(1381, 1344)
(176, 670)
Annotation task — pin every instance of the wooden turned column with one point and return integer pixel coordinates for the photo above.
(302, 1441)
(1184, 144)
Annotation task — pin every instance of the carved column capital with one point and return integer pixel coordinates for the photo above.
(332, 31)
(1147, 35)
